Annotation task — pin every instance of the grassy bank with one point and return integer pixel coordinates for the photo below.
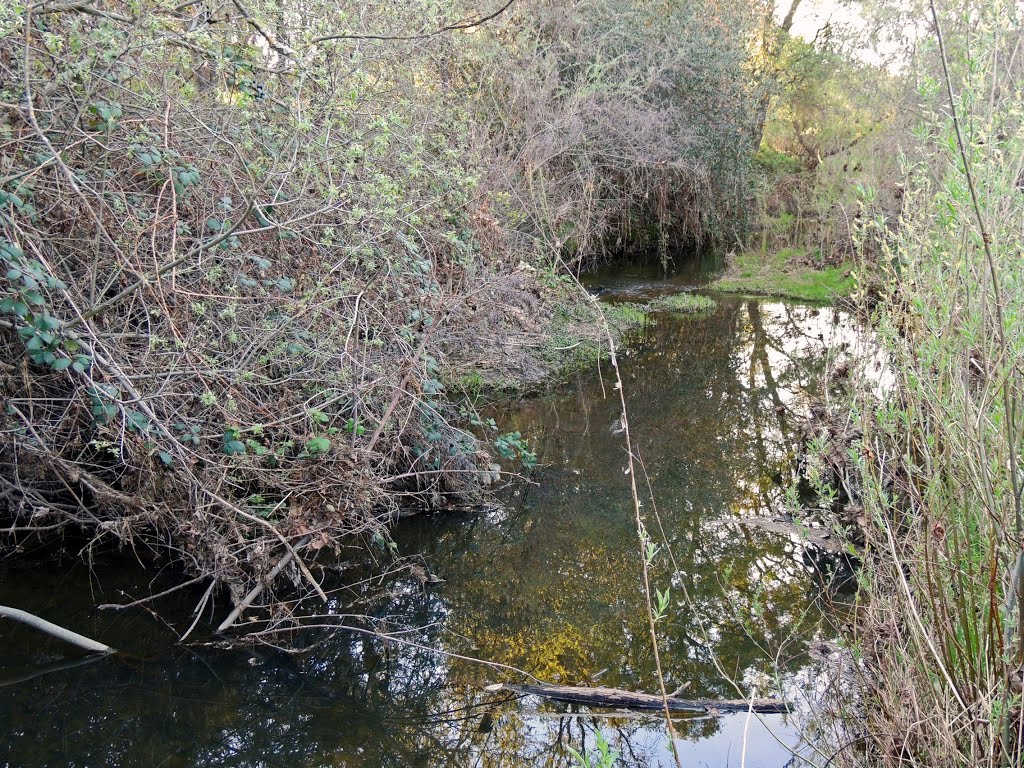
(790, 273)
(565, 335)
(683, 304)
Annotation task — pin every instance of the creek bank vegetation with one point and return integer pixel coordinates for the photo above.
(684, 304)
(835, 123)
(788, 273)
(254, 253)
(925, 470)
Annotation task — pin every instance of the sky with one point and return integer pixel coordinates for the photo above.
(813, 14)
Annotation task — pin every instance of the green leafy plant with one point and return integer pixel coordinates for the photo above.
(29, 283)
(317, 446)
(104, 116)
(233, 445)
(103, 399)
(512, 446)
(604, 757)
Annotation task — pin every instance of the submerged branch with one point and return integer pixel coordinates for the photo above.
(54, 630)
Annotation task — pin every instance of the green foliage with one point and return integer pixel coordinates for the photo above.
(512, 446)
(243, 243)
(233, 445)
(825, 106)
(317, 446)
(663, 601)
(658, 92)
(103, 401)
(104, 116)
(28, 284)
(772, 162)
(834, 122)
(933, 467)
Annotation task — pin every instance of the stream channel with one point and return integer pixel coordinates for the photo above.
(548, 581)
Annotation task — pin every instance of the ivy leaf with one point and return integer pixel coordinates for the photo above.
(317, 446)
(137, 422)
(233, 447)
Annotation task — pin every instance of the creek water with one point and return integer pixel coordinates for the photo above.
(548, 581)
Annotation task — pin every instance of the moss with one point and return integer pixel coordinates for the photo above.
(789, 273)
(686, 303)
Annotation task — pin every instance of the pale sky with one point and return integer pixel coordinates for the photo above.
(812, 15)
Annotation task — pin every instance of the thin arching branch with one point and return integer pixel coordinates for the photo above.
(457, 26)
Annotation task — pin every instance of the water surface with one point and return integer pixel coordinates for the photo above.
(548, 582)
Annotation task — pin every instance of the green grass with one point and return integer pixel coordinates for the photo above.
(622, 317)
(685, 303)
(788, 273)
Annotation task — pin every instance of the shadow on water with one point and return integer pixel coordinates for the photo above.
(547, 582)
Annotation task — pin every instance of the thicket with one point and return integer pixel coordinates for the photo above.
(929, 459)
(834, 126)
(246, 245)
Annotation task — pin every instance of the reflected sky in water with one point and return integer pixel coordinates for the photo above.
(548, 581)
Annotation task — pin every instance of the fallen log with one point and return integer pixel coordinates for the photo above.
(618, 698)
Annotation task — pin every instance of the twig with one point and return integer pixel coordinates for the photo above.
(461, 25)
(205, 246)
(200, 607)
(267, 524)
(272, 41)
(86, 7)
(148, 598)
(246, 601)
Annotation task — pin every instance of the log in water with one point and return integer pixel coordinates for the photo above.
(618, 698)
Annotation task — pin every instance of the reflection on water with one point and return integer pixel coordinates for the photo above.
(549, 583)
